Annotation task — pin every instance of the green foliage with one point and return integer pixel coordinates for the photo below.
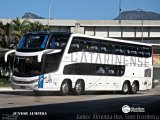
(4, 82)
(36, 26)
(18, 28)
(4, 33)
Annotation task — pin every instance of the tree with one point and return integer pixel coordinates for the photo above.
(4, 43)
(18, 28)
(4, 34)
(37, 26)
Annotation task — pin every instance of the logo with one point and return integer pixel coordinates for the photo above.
(126, 109)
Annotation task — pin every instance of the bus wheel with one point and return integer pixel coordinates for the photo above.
(79, 87)
(125, 88)
(65, 87)
(134, 88)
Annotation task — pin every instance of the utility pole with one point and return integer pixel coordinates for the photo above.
(119, 11)
(49, 11)
(141, 22)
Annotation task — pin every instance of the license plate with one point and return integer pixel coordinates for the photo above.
(22, 87)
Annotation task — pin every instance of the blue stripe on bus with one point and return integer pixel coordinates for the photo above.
(44, 42)
(40, 81)
(21, 42)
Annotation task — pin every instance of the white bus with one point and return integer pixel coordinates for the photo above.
(67, 62)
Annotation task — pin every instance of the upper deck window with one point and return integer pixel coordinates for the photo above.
(33, 41)
(57, 42)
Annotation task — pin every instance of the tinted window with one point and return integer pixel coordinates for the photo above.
(78, 44)
(27, 66)
(92, 46)
(109, 47)
(57, 42)
(131, 50)
(148, 52)
(51, 62)
(94, 69)
(75, 46)
(119, 49)
(33, 41)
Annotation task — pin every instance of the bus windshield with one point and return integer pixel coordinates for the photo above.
(26, 66)
(33, 41)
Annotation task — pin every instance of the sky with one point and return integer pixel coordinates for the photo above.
(75, 9)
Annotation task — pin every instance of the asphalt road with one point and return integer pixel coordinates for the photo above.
(24, 105)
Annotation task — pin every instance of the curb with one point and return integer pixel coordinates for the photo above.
(6, 89)
(9, 89)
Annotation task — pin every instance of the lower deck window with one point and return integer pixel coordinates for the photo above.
(94, 69)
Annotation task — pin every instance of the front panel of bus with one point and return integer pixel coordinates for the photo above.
(36, 57)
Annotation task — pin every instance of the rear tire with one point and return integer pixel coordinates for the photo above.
(125, 88)
(79, 87)
(65, 88)
(134, 88)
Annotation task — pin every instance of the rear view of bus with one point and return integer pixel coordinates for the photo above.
(36, 56)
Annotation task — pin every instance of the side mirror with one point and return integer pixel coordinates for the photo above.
(7, 53)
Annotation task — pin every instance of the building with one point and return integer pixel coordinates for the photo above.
(134, 30)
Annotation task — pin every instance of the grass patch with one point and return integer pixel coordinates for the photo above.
(4, 82)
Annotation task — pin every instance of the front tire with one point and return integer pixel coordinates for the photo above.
(125, 88)
(79, 87)
(65, 87)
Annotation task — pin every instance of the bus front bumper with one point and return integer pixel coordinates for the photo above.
(33, 86)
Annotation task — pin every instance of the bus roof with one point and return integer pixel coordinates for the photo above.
(88, 36)
(49, 32)
(111, 39)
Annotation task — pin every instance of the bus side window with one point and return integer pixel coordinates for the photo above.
(131, 51)
(103, 48)
(110, 70)
(147, 52)
(116, 49)
(120, 70)
(100, 70)
(72, 69)
(62, 45)
(140, 52)
(106, 48)
(82, 44)
(110, 48)
(119, 50)
(92, 46)
(75, 46)
(123, 48)
(54, 43)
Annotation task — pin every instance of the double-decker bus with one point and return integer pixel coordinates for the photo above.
(68, 62)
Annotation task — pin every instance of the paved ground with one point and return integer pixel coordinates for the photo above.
(87, 106)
